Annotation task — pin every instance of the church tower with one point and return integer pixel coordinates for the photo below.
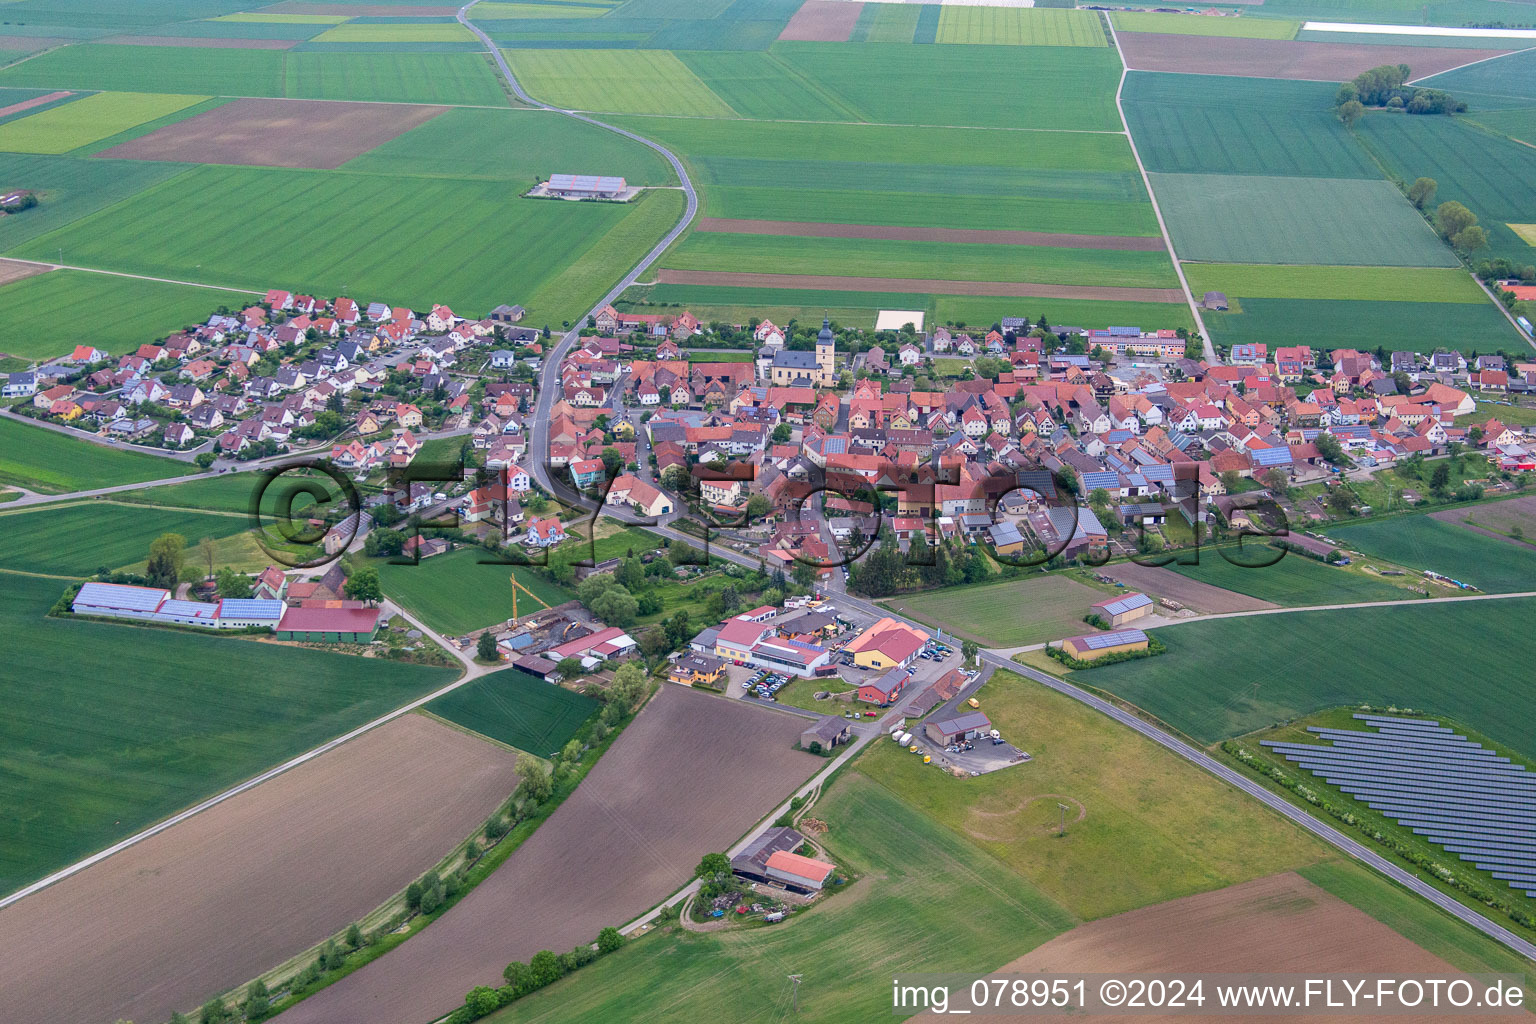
(825, 350)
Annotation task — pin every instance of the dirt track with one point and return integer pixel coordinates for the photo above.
(689, 776)
(1201, 597)
(1282, 58)
(1282, 923)
(813, 229)
(277, 133)
(823, 21)
(15, 270)
(236, 890)
(205, 42)
(914, 284)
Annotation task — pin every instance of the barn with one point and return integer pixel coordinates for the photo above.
(1125, 608)
(1090, 648)
(329, 625)
(585, 186)
(968, 726)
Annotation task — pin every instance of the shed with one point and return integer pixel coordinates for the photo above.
(945, 731)
(1123, 609)
(806, 874)
(828, 731)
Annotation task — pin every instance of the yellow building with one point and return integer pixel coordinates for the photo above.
(887, 644)
(1097, 645)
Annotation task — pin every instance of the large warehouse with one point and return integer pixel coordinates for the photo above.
(585, 186)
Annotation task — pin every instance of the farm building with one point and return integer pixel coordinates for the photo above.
(1214, 300)
(803, 874)
(354, 625)
(1123, 609)
(1090, 648)
(118, 601)
(1006, 539)
(887, 644)
(968, 726)
(752, 862)
(611, 642)
(828, 732)
(585, 186)
(884, 690)
(242, 613)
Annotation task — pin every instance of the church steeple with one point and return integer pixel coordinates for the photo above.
(824, 337)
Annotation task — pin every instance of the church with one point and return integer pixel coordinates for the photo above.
(788, 368)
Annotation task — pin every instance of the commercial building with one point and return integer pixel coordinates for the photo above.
(885, 689)
(887, 644)
(1123, 609)
(611, 642)
(152, 604)
(1097, 645)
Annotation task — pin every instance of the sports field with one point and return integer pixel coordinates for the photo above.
(1216, 124)
(1494, 176)
(1380, 284)
(1424, 543)
(518, 710)
(79, 539)
(235, 226)
(621, 81)
(1294, 580)
(99, 116)
(1185, 25)
(455, 594)
(1031, 610)
(1232, 676)
(91, 757)
(1250, 218)
(1395, 326)
(116, 314)
(51, 462)
(1019, 26)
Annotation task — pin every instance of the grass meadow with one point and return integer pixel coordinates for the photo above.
(1420, 542)
(456, 594)
(92, 756)
(1229, 677)
(50, 462)
(1031, 610)
(78, 539)
(98, 116)
(115, 314)
(514, 708)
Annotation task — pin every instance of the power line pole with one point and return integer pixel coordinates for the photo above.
(795, 992)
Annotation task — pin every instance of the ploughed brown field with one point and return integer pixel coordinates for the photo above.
(1282, 58)
(35, 101)
(1497, 520)
(15, 270)
(1202, 597)
(277, 133)
(823, 21)
(214, 901)
(1279, 924)
(208, 43)
(915, 284)
(978, 236)
(688, 777)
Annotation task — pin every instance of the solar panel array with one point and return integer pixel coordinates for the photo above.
(1465, 798)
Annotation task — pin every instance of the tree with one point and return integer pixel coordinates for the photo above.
(569, 668)
(355, 936)
(970, 650)
(385, 543)
(1470, 239)
(1350, 112)
(207, 552)
(1329, 448)
(516, 976)
(258, 1002)
(1340, 501)
(232, 584)
(214, 1012)
(758, 507)
(612, 458)
(204, 459)
(1453, 218)
(1231, 480)
(1277, 480)
(482, 1001)
(782, 433)
(608, 940)
(713, 867)
(363, 585)
(1422, 192)
(485, 647)
(545, 968)
(1440, 479)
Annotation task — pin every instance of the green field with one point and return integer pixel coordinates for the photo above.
(1249, 218)
(511, 145)
(1420, 542)
(1215, 124)
(89, 756)
(1294, 580)
(1508, 81)
(886, 23)
(115, 314)
(418, 32)
(581, 281)
(950, 261)
(758, 84)
(1379, 284)
(50, 462)
(1020, 26)
(1229, 677)
(1185, 25)
(284, 19)
(69, 189)
(620, 81)
(1519, 125)
(1010, 614)
(76, 540)
(1493, 176)
(455, 594)
(394, 77)
(99, 116)
(514, 708)
(235, 226)
(1407, 326)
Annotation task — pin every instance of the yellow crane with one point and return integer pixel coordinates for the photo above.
(516, 586)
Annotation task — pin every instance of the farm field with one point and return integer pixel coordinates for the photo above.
(1333, 61)
(510, 145)
(1160, 581)
(69, 189)
(1494, 176)
(78, 539)
(89, 761)
(1010, 614)
(1422, 542)
(1411, 326)
(1515, 518)
(1184, 25)
(1505, 82)
(1230, 677)
(234, 226)
(99, 116)
(919, 878)
(1208, 124)
(117, 314)
(1250, 218)
(1380, 284)
(1519, 125)
(516, 709)
(413, 32)
(689, 775)
(911, 286)
(1018, 26)
(406, 792)
(758, 84)
(1294, 580)
(620, 81)
(229, 492)
(53, 463)
(582, 280)
(455, 594)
